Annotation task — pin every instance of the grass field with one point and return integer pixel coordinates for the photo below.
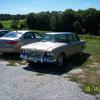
(89, 77)
(7, 24)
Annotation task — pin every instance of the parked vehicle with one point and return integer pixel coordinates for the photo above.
(12, 41)
(54, 48)
(3, 32)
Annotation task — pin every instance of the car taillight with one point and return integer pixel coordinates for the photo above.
(12, 42)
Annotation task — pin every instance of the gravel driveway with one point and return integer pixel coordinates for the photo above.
(24, 83)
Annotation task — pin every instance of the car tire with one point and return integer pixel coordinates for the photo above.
(60, 60)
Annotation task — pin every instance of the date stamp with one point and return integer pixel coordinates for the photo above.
(92, 88)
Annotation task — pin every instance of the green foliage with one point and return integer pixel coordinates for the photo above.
(31, 20)
(6, 17)
(22, 25)
(90, 74)
(54, 20)
(7, 24)
(1, 26)
(77, 26)
(43, 21)
(81, 21)
(14, 24)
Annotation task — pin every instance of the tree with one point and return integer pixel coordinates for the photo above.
(68, 18)
(31, 21)
(43, 21)
(54, 21)
(81, 21)
(22, 25)
(91, 21)
(77, 26)
(14, 24)
(1, 25)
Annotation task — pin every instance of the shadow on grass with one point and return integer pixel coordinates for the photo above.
(10, 57)
(73, 62)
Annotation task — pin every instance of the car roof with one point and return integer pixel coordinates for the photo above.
(60, 33)
(21, 31)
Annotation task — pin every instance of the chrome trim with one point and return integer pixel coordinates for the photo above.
(39, 59)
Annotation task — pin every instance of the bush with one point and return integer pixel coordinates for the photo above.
(22, 25)
(14, 24)
(1, 26)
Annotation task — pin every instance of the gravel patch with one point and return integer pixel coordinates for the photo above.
(16, 83)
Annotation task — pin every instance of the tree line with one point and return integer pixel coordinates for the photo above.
(81, 21)
(5, 17)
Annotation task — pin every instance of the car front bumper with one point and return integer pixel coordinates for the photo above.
(38, 59)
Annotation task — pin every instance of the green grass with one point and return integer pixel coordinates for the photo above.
(7, 24)
(90, 76)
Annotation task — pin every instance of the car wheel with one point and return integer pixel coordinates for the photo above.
(60, 60)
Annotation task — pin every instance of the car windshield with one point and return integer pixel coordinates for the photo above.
(55, 38)
(13, 35)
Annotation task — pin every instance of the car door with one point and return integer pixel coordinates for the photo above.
(30, 37)
(74, 43)
(69, 45)
(27, 38)
(77, 43)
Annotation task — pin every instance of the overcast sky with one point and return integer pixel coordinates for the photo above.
(27, 6)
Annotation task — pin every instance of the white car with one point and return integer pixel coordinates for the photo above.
(54, 48)
(12, 41)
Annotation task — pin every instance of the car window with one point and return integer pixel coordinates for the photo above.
(2, 33)
(73, 38)
(13, 35)
(37, 35)
(28, 35)
(55, 38)
(77, 37)
(60, 38)
(70, 37)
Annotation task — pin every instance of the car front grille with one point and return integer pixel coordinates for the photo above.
(36, 53)
(32, 53)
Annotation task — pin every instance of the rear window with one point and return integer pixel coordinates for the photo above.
(13, 35)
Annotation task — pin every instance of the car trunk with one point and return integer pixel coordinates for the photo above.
(7, 43)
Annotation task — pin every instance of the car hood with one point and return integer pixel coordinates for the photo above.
(43, 46)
